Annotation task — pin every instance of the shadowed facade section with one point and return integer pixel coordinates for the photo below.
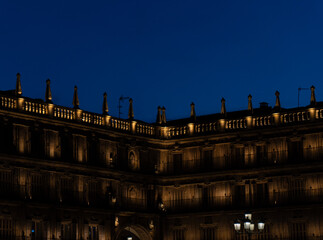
(66, 173)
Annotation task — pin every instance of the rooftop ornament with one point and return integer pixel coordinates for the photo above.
(18, 85)
(76, 102)
(163, 115)
(105, 108)
(48, 93)
(250, 103)
(277, 104)
(131, 115)
(223, 110)
(193, 114)
(313, 100)
(158, 118)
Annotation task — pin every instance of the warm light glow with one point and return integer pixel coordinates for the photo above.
(191, 127)
(249, 121)
(261, 225)
(248, 216)
(247, 225)
(151, 225)
(237, 226)
(252, 226)
(129, 238)
(116, 222)
(50, 108)
(222, 123)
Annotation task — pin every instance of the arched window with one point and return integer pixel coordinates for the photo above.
(133, 161)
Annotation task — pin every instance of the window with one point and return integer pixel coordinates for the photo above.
(39, 186)
(296, 188)
(208, 159)
(295, 151)
(95, 192)
(178, 234)
(208, 233)
(38, 230)
(67, 190)
(80, 148)
(297, 231)
(6, 183)
(52, 144)
(6, 229)
(21, 138)
(133, 161)
(93, 233)
(107, 153)
(239, 160)
(239, 195)
(261, 155)
(177, 162)
(68, 231)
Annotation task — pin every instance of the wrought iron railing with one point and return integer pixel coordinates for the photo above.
(273, 199)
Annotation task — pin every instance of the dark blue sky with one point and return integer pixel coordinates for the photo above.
(163, 52)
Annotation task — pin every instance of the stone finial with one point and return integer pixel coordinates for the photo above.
(313, 100)
(163, 115)
(18, 85)
(159, 118)
(76, 101)
(48, 93)
(105, 108)
(223, 111)
(277, 104)
(250, 103)
(193, 115)
(130, 112)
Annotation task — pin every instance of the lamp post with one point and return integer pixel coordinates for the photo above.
(248, 226)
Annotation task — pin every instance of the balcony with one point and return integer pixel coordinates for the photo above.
(245, 161)
(275, 199)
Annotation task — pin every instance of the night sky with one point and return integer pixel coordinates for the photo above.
(166, 53)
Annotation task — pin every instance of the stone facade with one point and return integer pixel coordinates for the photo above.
(70, 174)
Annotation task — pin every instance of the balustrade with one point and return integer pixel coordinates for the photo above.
(8, 102)
(141, 128)
(65, 113)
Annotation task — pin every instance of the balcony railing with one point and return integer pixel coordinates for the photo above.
(244, 161)
(12, 192)
(42, 194)
(186, 129)
(274, 199)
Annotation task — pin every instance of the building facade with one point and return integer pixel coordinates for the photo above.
(70, 174)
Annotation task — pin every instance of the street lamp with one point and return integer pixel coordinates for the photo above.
(248, 225)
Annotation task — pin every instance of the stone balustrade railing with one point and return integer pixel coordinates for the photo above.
(205, 127)
(35, 107)
(119, 124)
(283, 117)
(92, 118)
(8, 102)
(145, 129)
(64, 113)
(177, 131)
(236, 124)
